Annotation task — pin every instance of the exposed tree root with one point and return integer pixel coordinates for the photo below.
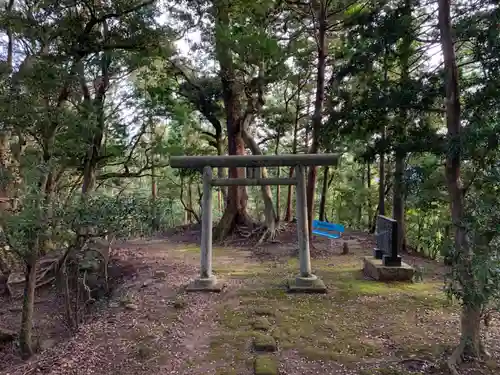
(232, 222)
(461, 352)
(259, 232)
(268, 233)
(456, 358)
(271, 234)
(485, 354)
(44, 276)
(248, 232)
(41, 283)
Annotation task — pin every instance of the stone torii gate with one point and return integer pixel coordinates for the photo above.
(306, 281)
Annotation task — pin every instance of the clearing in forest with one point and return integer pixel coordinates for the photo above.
(359, 327)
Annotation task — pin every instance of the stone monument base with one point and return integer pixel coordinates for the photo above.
(208, 284)
(311, 284)
(375, 269)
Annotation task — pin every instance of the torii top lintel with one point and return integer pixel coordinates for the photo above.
(228, 161)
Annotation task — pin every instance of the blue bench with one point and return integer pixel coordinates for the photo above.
(330, 230)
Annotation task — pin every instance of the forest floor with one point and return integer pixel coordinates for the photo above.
(150, 325)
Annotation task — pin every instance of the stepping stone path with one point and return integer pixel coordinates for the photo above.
(261, 323)
(264, 344)
(265, 365)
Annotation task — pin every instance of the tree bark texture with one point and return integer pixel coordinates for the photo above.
(270, 214)
(288, 211)
(324, 192)
(318, 108)
(235, 212)
(278, 187)
(401, 124)
(470, 342)
(26, 332)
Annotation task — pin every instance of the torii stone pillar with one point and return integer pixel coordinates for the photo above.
(207, 280)
(306, 281)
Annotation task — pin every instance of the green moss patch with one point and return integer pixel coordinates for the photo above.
(195, 249)
(226, 372)
(265, 365)
(357, 321)
(264, 343)
(230, 345)
(261, 323)
(264, 311)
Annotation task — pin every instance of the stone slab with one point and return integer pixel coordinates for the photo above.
(264, 343)
(209, 285)
(378, 253)
(374, 269)
(390, 261)
(312, 284)
(261, 323)
(265, 365)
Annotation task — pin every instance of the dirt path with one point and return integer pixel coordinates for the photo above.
(150, 326)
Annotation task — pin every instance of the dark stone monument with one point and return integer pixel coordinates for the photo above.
(387, 242)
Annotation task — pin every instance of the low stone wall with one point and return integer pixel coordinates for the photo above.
(374, 269)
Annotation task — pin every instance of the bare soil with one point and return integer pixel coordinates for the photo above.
(150, 325)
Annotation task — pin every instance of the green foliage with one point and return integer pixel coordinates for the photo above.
(106, 215)
(482, 223)
(98, 94)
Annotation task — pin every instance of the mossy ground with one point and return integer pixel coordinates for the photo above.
(357, 321)
(358, 327)
(265, 365)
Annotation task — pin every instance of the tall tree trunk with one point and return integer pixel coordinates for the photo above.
(278, 187)
(36, 246)
(362, 201)
(324, 192)
(235, 212)
(219, 199)
(318, 109)
(9, 156)
(307, 136)
(288, 211)
(190, 201)
(95, 106)
(398, 206)
(155, 224)
(278, 197)
(220, 171)
(26, 332)
(381, 184)
(470, 339)
(400, 130)
(381, 171)
(270, 214)
(289, 194)
(369, 202)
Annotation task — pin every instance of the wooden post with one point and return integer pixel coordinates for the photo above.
(302, 225)
(207, 281)
(306, 281)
